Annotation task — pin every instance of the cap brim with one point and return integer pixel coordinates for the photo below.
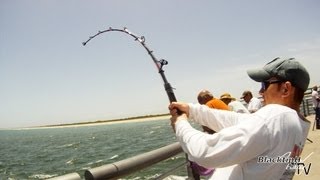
(258, 75)
(232, 98)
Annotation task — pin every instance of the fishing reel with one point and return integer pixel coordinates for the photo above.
(162, 62)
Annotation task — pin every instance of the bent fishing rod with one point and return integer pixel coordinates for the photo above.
(159, 63)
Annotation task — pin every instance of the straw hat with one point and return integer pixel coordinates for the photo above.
(227, 96)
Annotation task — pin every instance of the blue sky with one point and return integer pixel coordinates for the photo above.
(48, 77)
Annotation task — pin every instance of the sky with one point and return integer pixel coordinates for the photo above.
(47, 77)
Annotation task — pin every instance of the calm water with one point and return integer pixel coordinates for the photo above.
(45, 153)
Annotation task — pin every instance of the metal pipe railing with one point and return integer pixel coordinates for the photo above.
(133, 164)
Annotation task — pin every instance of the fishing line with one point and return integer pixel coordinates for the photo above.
(159, 63)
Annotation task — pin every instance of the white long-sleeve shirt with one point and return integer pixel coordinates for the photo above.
(238, 107)
(241, 139)
(254, 104)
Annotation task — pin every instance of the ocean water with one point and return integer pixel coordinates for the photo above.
(46, 153)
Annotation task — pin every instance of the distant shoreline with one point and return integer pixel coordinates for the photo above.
(103, 122)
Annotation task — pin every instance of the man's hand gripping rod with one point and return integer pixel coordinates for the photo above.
(159, 63)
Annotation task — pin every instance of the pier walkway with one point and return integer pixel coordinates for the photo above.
(311, 149)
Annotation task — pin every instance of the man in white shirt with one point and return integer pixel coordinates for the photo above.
(316, 104)
(233, 104)
(254, 104)
(250, 146)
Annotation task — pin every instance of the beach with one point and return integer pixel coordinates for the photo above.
(99, 123)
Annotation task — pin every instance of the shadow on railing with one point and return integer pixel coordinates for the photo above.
(127, 166)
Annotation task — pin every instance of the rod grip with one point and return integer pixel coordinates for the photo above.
(171, 96)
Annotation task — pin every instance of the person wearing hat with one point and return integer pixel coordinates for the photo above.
(233, 104)
(316, 104)
(247, 146)
(254, 104)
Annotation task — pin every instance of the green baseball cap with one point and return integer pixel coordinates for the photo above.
(283, 69)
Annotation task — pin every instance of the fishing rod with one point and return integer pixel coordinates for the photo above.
(159, 63)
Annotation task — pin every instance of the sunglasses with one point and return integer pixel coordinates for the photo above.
(266, 84)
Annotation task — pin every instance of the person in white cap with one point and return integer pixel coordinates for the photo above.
(261, 145)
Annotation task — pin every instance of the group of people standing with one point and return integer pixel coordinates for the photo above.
(227, 102)
(242, 139)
